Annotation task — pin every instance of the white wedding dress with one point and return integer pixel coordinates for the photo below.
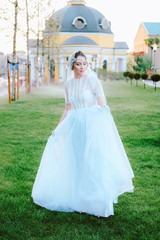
(84, 166)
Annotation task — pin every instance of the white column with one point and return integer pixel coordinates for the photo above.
(61, 69)
(32, 56)
(114, 64)
(97, 64)
(124, 64)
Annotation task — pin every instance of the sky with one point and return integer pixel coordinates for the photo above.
(125, 17)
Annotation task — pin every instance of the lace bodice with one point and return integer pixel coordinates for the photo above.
(83, 92)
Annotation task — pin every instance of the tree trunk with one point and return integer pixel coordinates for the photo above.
(49, 53)
(37, 72)
(14, 53)
(43, 63)
(28, 68)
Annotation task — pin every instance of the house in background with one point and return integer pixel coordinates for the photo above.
(148, 30)
(82, 28)
(3, 65)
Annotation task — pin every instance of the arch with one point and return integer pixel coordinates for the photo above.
(105, 64)
(79, 40)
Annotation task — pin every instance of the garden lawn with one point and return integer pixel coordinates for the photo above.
(25, 126)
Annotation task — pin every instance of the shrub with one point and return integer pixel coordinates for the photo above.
(144, 76)
(116, 76)
(155, 77)
(102, 74)
(126, 74)
(131, 75)
(137, 76)
(142, 63)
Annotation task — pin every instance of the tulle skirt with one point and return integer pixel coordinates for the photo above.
(84, 166)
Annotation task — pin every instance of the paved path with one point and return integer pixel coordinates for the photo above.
(152, 84)
(56, 91)
(4, 91)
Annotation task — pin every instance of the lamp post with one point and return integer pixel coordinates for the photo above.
(154, 49)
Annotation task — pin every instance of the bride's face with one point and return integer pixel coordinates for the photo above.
(80, 66)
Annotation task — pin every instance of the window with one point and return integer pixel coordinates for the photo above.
(79, 22)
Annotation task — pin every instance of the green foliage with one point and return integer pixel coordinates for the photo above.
(130, 62)
(116, 76)
(131, 75)
(155, 77)
(150, 41)
(102, 74)
(126, 74)
(144, 76)
(142, 62)
(137, 76)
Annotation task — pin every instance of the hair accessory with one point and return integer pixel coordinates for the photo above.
(72, 60)
(70, 72)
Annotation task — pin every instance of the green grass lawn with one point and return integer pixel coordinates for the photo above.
(25, 126)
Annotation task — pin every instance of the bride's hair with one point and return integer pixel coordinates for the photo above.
(80, 53)
(77, 54)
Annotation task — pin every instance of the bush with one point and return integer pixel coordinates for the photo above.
(144, 76)
(102, 74)
(155, 77)
(142, 62)
(137, 76)
(126, 74)
(116, 76)
(131, 75)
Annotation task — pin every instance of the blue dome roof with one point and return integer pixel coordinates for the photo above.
(91, 16)
(79, 40)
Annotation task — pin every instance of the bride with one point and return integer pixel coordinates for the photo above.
(84, 167)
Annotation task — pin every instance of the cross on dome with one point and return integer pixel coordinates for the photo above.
(76, 2)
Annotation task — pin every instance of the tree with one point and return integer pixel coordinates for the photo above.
(142, 63)
(14, 51)
(130, 62)
(155, 78)
(37, 30)
(52, 28)
(137, 76)
(28, 81)
(144, 76)
(131, 76)
(22, 30)
(149, 42)
(46, 30)
(126, 75)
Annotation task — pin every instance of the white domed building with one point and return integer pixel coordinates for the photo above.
(86, 29)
